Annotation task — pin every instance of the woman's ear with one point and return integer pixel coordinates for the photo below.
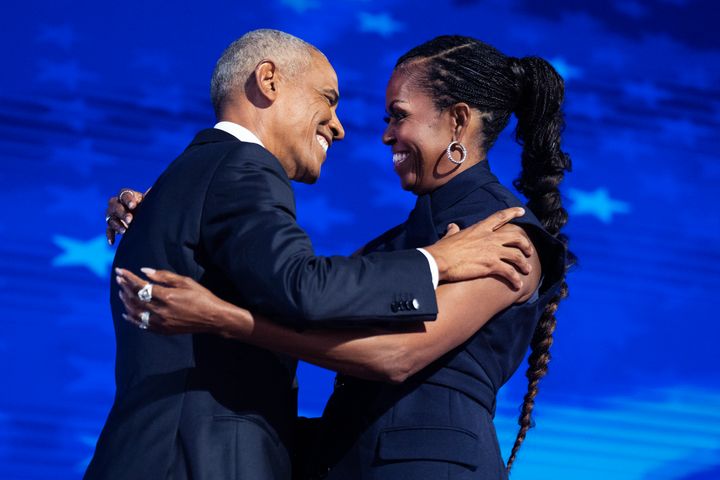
(460, 115)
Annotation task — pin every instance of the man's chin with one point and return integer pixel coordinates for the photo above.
(309, 177)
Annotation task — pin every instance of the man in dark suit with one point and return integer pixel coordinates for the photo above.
(223, 213)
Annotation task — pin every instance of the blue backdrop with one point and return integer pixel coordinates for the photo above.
(99, 95)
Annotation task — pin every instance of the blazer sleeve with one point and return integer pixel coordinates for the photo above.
(249, 232)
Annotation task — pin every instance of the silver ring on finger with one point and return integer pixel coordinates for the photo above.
(145, 293)
(120, 196)
(144, 320)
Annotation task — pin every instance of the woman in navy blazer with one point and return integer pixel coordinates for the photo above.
(431, 416)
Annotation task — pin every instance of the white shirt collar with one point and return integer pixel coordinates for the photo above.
(239, 132)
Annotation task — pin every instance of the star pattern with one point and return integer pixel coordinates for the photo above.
(93, 254)
(88, 106)
(597, 203)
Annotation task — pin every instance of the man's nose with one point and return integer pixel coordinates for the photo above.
(336, 127)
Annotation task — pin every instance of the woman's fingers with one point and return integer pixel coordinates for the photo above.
(130, 198)
(164, 276)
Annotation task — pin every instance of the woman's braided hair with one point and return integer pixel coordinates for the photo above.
(453, 69)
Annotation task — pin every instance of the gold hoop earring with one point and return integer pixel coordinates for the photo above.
(463, 152)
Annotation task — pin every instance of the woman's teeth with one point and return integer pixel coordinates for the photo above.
(323, 143)
(399, 158)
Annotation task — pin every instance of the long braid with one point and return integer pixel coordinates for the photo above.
(540, 126)
(455, 69)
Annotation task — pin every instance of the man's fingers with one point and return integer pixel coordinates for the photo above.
(521, 242)
(509, 273)
(452, 229)
(502, 217)
(518, 260)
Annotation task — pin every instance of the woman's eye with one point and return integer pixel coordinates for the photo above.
(395, 117)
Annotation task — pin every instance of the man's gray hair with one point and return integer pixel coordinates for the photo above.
(291, 54)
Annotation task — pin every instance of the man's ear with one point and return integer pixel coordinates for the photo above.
(460, 114)
(266, 79)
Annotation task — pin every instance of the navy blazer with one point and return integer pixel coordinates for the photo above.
(438, 424)
(204, 407)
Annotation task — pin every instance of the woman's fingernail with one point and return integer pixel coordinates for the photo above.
(128, 218)
(131, 205)
(148, 270)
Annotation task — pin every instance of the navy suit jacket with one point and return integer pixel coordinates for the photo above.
(438, 424)
(204, 407)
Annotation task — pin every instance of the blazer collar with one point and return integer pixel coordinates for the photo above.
(461, 186)
(212, 135)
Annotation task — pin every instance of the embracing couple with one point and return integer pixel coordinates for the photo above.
(423, 325)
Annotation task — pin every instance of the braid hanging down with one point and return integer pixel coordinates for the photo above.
(454, 69)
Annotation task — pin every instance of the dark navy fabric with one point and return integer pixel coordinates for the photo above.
(204, 407)
(438, 424)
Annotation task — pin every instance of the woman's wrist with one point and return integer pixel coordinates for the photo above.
(233, 322)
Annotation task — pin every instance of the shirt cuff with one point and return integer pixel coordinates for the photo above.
(434, 271)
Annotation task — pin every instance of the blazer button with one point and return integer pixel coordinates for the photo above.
(415, 304)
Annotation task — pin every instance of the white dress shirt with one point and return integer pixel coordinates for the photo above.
(245, 135)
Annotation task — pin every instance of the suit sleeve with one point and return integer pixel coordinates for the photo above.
(250, 233)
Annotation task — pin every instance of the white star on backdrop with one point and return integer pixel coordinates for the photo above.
(597, 203)
(382, 24)
(93, 254)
